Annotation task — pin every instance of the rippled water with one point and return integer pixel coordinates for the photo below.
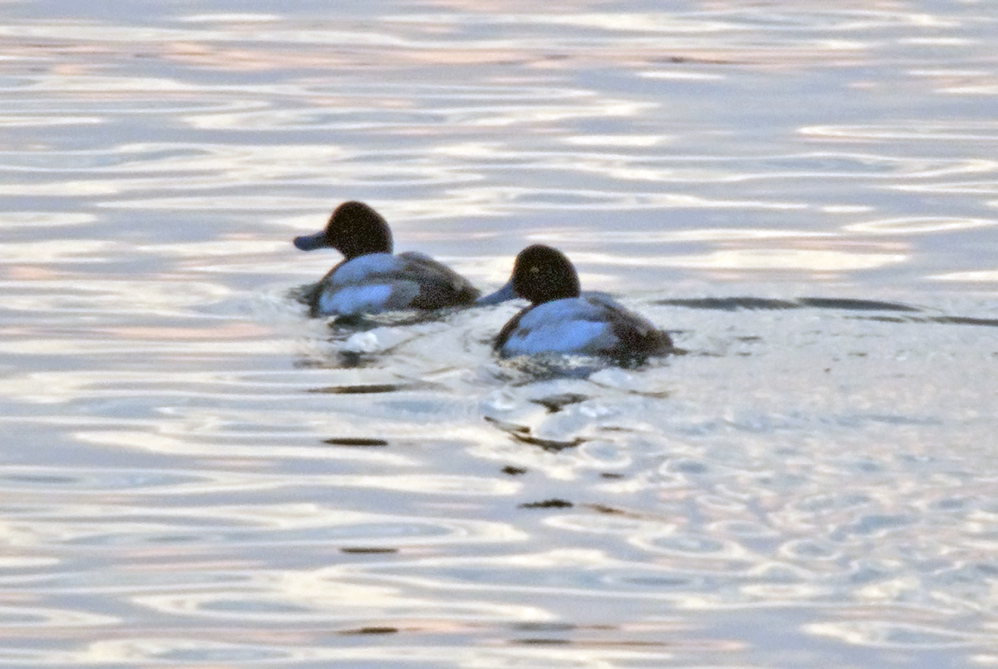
(195, 473)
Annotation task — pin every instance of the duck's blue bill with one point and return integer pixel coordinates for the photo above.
(311, 242)
(501, 295)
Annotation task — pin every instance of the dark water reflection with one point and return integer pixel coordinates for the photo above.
(195, 473)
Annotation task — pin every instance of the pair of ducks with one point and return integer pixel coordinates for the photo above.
(559, 319)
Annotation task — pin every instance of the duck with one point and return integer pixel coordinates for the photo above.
(563, 320)
(371, 279)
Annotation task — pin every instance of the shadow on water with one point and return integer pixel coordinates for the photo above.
(347, 324)
(524, 434)
(826, 303)
(366, 389)
(763, 304)
(358, 442)
(526, 370)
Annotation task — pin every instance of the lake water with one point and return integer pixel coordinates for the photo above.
(194, 473)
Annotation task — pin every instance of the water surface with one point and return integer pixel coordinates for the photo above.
(195, 473)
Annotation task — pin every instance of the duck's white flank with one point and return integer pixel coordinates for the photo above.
(362, 268)
(572, 325)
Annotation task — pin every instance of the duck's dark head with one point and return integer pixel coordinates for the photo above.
(354, 230)
(542, 274)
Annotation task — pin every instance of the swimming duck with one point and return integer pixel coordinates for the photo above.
(369, 279)
(562, 320)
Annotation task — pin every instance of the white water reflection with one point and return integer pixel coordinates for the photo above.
(932, 131)
(920, 225)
